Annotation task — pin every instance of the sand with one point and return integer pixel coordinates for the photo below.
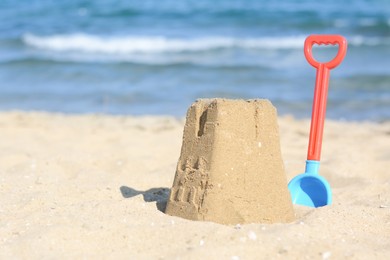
(95, 186)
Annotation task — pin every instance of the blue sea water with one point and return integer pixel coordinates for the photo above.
(158, 56)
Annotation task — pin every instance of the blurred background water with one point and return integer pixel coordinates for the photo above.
(158, 56)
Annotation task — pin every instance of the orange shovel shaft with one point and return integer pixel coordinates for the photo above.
(318, 113)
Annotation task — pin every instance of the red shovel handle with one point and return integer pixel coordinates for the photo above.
(321, 88)
(325, 39)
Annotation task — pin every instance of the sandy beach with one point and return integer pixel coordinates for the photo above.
(95, 186)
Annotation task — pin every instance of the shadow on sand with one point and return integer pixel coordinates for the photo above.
(158, 195)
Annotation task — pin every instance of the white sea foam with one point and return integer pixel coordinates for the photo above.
(368, 41)
(135, 44)
(162, 51)
(138, 44)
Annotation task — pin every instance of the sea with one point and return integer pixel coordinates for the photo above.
(156, 57)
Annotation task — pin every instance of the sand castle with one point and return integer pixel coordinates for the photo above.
(230, 169)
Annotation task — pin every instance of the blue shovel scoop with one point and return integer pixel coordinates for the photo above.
(311, 189)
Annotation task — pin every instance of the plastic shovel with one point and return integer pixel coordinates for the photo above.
(311, 189)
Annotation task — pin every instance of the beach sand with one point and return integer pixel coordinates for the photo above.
(94, 186)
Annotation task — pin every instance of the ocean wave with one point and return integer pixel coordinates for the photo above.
(135, 44)
(359, 40)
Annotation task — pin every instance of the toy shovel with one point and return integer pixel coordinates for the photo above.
(311, 189)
